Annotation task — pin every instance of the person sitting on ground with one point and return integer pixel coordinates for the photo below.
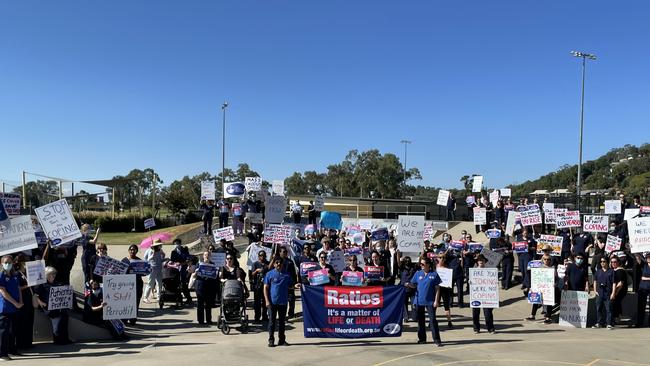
(94, 308)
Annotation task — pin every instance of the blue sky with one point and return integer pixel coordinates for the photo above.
(89, 90)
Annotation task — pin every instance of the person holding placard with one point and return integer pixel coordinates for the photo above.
(11, 300)
(620, 287)
(547, 262)
(427, 284)
(487, 312)
(524, 258)
(445, 292)
(322, 264)
(102, 251)
(258, 271)
(643, 293)
(58, 318)
(155, 256)
(599, 252)
(407, 270)
(289, 268)
(207, 207)
(206, 291)
(507, 262)
(139, 283)
(25, 316)
(224, 210)
(376, 261)
(93, 308)
(89, 250)
(604, 285)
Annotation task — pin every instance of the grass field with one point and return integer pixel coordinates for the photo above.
(136, 238)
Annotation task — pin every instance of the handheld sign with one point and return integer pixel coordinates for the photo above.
(520, 246)
(631, 213)
(411, 230)
(207, 270)
(16, 235)
(443, 197)
(568, 219)
(573, 309)
(480, 215)
(613, 207)
(446, 275)
(505, 192)
(278, 187)
(477, 183)
(336, 259)
(318, 277)
(373, 273)
(319, 203)
(530, 215)
(35, 273)
(483, 287)
(595, 224)
(253, 184)
(535, 298)
(475, 247)
(554, 241)
(380, 234)
(613, 243)
(306, 267)
(219, 259)
(139, 267)
(11, 203)
(543, 281)
(494, 233)
(61, 297)
(224, 233)
(470, 200)
(330, 220)
(639, 231)
(109, 266)
(534, 264)
(120, 297)
(149, 223)
(274, 209)
(58, 223)
(349, 278)
(208, 190)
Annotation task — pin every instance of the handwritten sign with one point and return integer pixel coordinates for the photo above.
(483, 287)
(595, 224)
(613, 207)
(58, 223)
(511, 222)
(443, 197)
(319, 203)
(149, 223)
(639, 231)
(61, 297)
(35, 273)
(278, 187)
(554, 241)
(119, 296)
(568, 219)
(411, 230)
(224, 233)
(318, 277)
(631, 213)
(109, 266)
(480, 215)
(613, 243)
(494, 197)
(573, 309)
(274, 209)
(208, 190)
(253, 254)
(207, 270)
(17, 234)
(477, 183)
(277, 234)
(543, 281)
(505, 192)
(253, 184)
(349, 278)
(11, 203)
(530, 215)
(446, 275)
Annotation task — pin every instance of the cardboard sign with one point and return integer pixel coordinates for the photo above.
(542, 280)
(483, 287)
(443, 197)
(255, 218)
(631, 213)
(219, 259)
(493, 258)
(277, 234)
(505, 192)
(530, 215)
(149, 223)
(207, 270)
(253, 184)
(613, 243)
(109, 266)
(208, 190)
(446, 276)
(278, 187)
(639, 231)
(595, 224)
(554, 241)
(613, 207)
(253, 254)
(35, 273)
(120, 297)
(520, 247)
(11, 203)
(568, 219)
(61, 297)
(224, 233)
(319, 203)
(550, 216)
(480, 215)
(349, 278)
(373, 273)
(58, 223)
(494, 197)
(319, 277)
(477, 183)
(573, 309)
(411, 231)
(275, 209)
(511, 222)
(336, 259)
(17, 234)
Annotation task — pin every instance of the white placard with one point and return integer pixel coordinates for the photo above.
(595, 224)
(109, 266)
(365, 224)
(411, 230)
(278, 187)
(567, 219)
(494, 197)
(60, 297)
(613, 243)
(483, 287)
(336, 259)
(505, 192)
(224, 233)
(58, 223)
(613, 207)
(17, 234)
(253, 184)
(477, 183)
(530, 215)
(208, 190)
(35, 271)
(548, 206)
(11, 202)
(253, 253)
(631, 213)
(119, 296)
(319, 203)
(480, 216)
(443, 197)
(542, 280)
(573, 309)
(219, 259)
(510, 223)
(446, 276)
(639, 231)
(274, 210)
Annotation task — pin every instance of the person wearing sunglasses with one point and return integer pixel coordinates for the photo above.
(604, 286)
(487, 312)
(231, 271)
(427, 297)
(547, 262)
(322, 264)
(620, 287)
(276, 290)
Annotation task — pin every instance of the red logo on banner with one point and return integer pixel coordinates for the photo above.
(346, 297)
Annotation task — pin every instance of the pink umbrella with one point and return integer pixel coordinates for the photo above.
(164, 236)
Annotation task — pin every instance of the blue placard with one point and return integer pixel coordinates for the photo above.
(352, 278)
(139, 267)
(535, 298)
(475, 247)
(330, 220)
(534, 264)
(207, 270)
(3, 212)
(380, 234)
(494, 233)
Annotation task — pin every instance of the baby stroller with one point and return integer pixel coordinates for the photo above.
(233, 306)
(171, 285)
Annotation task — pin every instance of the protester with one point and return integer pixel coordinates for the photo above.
(89, 250)
(238, 213)
(311, 213)
(353, 265)
(322, 264)
(487, 312)
(394, 258)
(547, 262)
(643, 293)
(576, 277)
(289, 268)
(208, 213)
(11, 301)
(58, 318)
(507, 262)
(375, 258)
(232, 271)
(427, 285)
(451, 207)
(25, 316)
(407, 270)
(102, 251)
(155, 256)
(599, 252)
(445, 292)
(257, 274)
(276, 290)
(139, 284)
(620, 287)
(93, 311)
(603, 284)
(181, 256)
(296, 212)
(206, 289)
(224, 210)
(525, 258)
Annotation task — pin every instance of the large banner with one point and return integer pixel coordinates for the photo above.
(484, 287)
(411, 231)
(58, 223)
(352, 312)
(16, 235)
(119, 296)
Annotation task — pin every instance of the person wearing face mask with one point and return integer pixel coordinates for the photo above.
(11, 300)
(58, 318)
(576, 277)
(25, 315)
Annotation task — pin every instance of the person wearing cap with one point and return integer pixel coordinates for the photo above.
(487, 312)
(643, 292)
(547, 262)
(427, 297)
(155, 257)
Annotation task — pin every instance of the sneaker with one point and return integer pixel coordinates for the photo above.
(492, 331)
(609, 327)
(547, 321)
(271, 344)
(284, 344)
(477, 331)
(596, 326)
(530, 318)
(146, 301)
(438, 343)
(421, 341)
(5, 358)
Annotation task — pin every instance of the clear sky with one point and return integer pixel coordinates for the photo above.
(89, 89)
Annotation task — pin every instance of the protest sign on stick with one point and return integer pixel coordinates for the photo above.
(253, 184)
(613, 207)
(443, 197)
(477, 183)
(480, 215)
(58, 223)
(567, 219)
(613, 243)
(208, 190)
(411, 231)
(595, 224)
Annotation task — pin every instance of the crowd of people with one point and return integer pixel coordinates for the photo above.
(279, 270)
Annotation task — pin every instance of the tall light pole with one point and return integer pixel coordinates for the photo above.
(223, 148)
(405, 142)
(584, 57)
